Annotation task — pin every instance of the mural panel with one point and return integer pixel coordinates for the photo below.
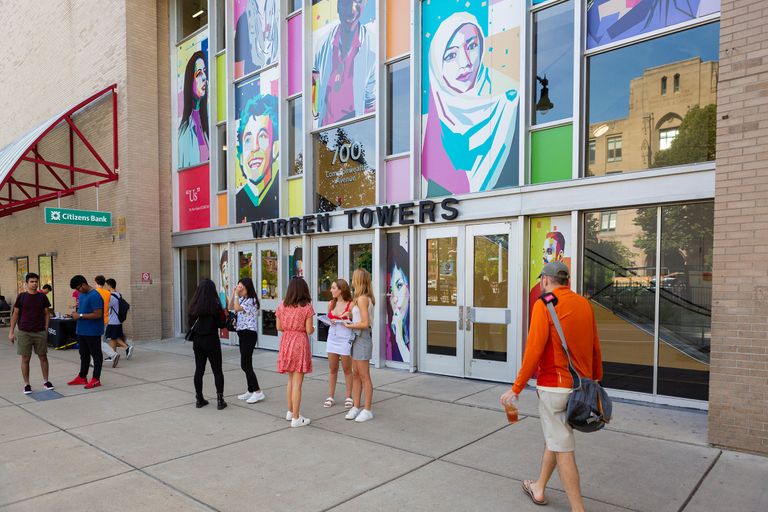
(257, 37)
(470, 102)
(550, 241)
(398, 304)
(192, 95)
(345, 53)
(609, 21)
(258, 147)
(194, 198)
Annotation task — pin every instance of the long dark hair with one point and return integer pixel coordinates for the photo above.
(205, 301)
(189, 99)
(297, 294)
(250, 290)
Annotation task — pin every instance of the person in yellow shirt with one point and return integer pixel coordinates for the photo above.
(111, 355)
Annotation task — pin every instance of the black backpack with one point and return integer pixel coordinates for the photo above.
(122, 307)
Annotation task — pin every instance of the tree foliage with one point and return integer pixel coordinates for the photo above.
(695, 140)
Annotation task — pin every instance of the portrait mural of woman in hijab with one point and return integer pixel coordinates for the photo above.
(470, 102)
(257, 38)
(192, 79)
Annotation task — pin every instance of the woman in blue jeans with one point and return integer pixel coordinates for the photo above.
(245, 303)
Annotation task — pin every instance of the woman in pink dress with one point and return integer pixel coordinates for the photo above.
(294, 320)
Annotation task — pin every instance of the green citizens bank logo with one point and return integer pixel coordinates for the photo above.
(78, 217)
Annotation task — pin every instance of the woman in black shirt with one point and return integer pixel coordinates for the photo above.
(206, 317)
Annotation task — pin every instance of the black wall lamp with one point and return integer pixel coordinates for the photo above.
(544, 104)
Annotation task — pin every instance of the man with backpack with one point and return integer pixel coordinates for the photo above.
(118, 312)
(544, 351)
(110, 354)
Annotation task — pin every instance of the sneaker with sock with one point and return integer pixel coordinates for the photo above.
(352, 413)
(48, 386)
(27, 389)
(129, 352)
(301, 421)
(256, 396)
(244, 396)
(288, 416)
(78, 381)
(94, 383)
(364, 415)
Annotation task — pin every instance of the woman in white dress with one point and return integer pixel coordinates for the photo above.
(339, 340)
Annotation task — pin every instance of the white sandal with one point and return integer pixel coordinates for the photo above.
(328, 402)
(349, 403)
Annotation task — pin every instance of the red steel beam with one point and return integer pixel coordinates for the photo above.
(88, 145)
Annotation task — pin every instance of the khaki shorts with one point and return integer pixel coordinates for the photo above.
(558, 434)
(25, 341)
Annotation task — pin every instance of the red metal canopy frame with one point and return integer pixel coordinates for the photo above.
(17, 194)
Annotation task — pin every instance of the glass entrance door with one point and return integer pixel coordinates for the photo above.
(335, 257)
(466, 312)
(268, 288)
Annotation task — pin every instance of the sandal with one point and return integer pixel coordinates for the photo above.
(349, 403)
(529, 491)
(328, 402)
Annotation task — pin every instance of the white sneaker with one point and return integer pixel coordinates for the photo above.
(256, 396)
(244, 396)
(301, 421)
(289, 416)
(352, 413)
(364, 415)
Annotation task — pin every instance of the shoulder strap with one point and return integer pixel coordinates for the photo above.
(550, 300)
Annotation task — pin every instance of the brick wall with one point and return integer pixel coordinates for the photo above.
(738, 415)
(62, 53)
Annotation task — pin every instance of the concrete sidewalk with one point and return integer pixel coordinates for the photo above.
(436, 443)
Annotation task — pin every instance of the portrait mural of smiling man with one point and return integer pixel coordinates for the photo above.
(257, 41)
(470, 95)
(192, 83)
(345, 49)
(258, 147)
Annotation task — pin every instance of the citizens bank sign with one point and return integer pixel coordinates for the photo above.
(402, 214)
(78, 217)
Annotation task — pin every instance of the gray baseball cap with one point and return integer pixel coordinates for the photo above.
(555, 269)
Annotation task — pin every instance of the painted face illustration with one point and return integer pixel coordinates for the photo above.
(225, 274)
(461, 58)
(350, 11)
(201, 79)
(399, 292)
(553, 251)
(257, 148)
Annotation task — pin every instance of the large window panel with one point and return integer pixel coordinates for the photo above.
(191, 15)
(345, 166)
(295, 137)
(552, 154)
(552, 63)
(399, 107)
(685, 305)
(609, 21)
(619, 269)
(625, 98)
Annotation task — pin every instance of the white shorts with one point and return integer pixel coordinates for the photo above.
(558, 434)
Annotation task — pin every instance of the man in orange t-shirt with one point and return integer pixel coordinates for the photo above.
(544, 351)
(110, 354)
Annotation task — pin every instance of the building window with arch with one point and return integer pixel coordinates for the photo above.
(666, 137)
(676, 83)
(663, 85)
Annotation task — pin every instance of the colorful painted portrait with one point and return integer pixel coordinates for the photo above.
(345, 55)
(296, 260)
(22, 269)
(258, 147)
(609, 21)
(549, 242)
(224, 276)
(398, 289)
(192, 80)
(470, 102)
(45, 270)
(257, 35)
